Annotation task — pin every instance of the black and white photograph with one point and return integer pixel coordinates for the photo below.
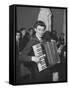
(38, 44)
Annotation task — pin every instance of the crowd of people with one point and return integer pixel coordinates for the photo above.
(24, 40)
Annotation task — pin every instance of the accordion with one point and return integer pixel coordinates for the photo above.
(51, 54)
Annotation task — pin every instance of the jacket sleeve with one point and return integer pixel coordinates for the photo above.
(24, 54)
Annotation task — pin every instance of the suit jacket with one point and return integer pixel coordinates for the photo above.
(21, 70)
(23, 42)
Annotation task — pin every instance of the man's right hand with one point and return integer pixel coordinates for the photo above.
(37, 59)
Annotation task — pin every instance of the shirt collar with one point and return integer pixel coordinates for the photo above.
(39, 38)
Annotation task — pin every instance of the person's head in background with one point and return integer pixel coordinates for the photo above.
(54, 32)
(47, 36)
(62, 35)
(31, 31)
(54, 35)
(40, 28)
(17, 36)
(23, 31)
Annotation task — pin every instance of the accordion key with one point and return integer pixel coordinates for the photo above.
(38, 53)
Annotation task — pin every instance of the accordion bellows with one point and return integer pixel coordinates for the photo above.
(51, 51)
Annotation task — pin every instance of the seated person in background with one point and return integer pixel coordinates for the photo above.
(31, 60)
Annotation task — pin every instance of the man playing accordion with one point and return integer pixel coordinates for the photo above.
(38, 56)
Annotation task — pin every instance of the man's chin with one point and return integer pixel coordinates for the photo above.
(41, 35)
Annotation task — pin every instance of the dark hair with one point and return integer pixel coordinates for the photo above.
(31, 29)
(17, 32)
(22, 29)
(41, 23)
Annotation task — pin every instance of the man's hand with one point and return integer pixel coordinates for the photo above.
(37, 59)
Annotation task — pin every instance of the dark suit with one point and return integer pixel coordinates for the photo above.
(22, 72)
(26, 56)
